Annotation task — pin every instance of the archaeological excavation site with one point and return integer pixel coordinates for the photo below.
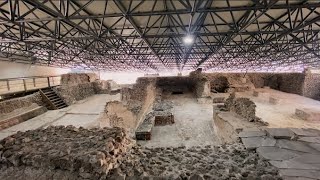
(160, 90)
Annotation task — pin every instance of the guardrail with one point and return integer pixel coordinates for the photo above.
(25, 84)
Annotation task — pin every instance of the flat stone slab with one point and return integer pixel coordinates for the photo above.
(308, 159)
(291, 164)
(276, 154)
(255, 142)
(295, 146)
(310, 139)
(254, 133)
(280, 133)
(314, 174)
(315, 146)
(305, 132)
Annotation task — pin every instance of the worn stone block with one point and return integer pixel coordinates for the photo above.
(295, 146)
(314, 174)
(280, 133)
(310, 139)
(305, 132)
(255, 142)
(163, 118)
(256, 133)
(276, 153)
(308, 114)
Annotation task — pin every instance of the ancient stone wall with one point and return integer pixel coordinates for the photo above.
(311, 86)
(229, 82)
(242, 106)
(175, 84)
(75, 92)
(136, 101)
(10, 105)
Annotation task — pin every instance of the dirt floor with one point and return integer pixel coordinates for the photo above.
(192, 127)
(282, 115)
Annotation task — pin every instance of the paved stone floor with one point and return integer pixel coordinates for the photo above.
(295, 152)
(84, 113)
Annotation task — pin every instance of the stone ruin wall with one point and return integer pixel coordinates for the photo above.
(78, 86)
(135, 103)
(311, 86)
(10, 105)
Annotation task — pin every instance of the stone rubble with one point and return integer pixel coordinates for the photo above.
(86, 153)
(207, 162)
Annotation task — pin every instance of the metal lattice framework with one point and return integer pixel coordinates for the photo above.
(148, 35)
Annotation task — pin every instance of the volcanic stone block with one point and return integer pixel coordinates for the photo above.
(308, 114)
(163, 118)
(143, 132)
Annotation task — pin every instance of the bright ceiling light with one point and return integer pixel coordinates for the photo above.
(188, 40)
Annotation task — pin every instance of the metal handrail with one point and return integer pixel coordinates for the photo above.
(24, 84)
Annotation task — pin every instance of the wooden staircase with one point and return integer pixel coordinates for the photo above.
(53, 100)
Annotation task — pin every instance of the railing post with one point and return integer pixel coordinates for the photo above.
(52, 80)
(25, 85)
(8, 85)
(48, 78)
(34, 82)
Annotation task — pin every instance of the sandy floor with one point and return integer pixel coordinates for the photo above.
(192, 127)
(84, 113)
(283, 114)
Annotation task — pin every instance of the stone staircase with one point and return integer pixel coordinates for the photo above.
(53, 100)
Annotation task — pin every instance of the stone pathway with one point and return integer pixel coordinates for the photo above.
(295, 152)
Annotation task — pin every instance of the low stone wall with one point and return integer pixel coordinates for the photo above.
(10, 105)
(73, 93)
(77, 78)
(136, 102)
(311, 86)
(243, 107)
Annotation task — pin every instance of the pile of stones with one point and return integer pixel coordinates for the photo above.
(196, 163)
(83, 152)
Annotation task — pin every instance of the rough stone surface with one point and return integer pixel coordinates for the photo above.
(209, 162)
(86, 153)
(242, 106)
(11, 105)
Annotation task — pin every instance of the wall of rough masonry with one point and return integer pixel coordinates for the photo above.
(175, 84)
(134, 105)
(229, 82)
(10, 105)
(75, 92)
(77, 78)
(242, 106)
(78, 86)
(311, 86)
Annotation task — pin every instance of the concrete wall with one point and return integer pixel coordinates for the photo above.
(13, 70)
